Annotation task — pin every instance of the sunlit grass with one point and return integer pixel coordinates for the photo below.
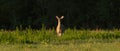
(47, 40)
(31, 36)
(114, 46)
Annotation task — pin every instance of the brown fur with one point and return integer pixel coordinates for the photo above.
(60, 27)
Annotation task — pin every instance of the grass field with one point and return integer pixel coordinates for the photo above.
(114, 46)
(72, 40)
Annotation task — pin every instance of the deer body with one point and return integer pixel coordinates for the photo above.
(60, 27)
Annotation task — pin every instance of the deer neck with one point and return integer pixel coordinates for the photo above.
(59, 23)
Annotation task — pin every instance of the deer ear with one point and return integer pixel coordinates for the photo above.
(62, 17)
(57, 17)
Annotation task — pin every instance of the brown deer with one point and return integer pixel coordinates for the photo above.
(60, 28)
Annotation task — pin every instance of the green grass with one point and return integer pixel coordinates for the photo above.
(114, 46)
(30, 36)
(47, 40)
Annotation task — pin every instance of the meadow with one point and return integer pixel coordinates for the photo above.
(47, 40)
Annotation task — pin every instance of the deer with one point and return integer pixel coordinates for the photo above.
(60, 27)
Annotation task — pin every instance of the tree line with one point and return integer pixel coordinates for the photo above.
(86, 14)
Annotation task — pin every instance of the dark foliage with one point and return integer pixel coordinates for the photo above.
(91, 14)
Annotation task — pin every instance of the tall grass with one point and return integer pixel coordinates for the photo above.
(47, 36)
